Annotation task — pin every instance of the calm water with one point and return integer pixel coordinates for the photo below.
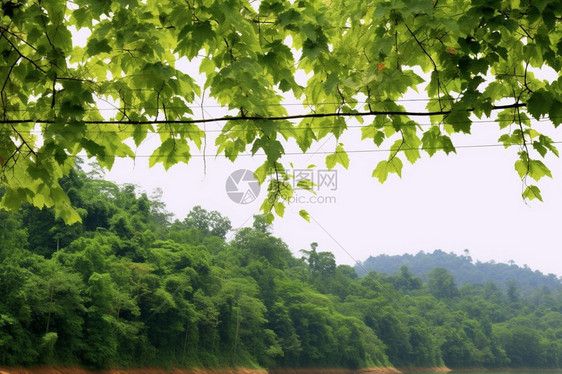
(538, 371)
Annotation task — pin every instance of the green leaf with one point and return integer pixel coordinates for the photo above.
(304, 214)
(394, 165)
(539, 103)
(95, 47)
(379, 138)
(537, 170)
(433, 141)
(193, 37)
(14, 197)
(140, 133)
(532, 192)
(522, 168)
(459, 119)
(92, 148)
(279, 208)
(170, 152)
(555, 112)
(306, 184)
(305, 136)
(272, 148)
(338, 157)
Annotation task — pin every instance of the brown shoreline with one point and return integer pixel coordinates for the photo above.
(243, 370)
(238, 370)
(148, 370)
(376, 370)
(503, 369)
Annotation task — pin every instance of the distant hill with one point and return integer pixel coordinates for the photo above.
(462, 267)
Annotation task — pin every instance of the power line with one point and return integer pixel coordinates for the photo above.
(352, 151)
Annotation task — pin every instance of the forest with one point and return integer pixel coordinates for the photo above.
(129, 286)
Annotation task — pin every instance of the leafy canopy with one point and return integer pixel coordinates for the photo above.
(360, 57)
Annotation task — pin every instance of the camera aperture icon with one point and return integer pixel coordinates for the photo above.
(242, 187)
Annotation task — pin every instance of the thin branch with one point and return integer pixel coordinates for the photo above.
(342, 99)
(24, 142)
(8, 75)
(432, 62)
(54, 91)
(525, 150)
(394, 153)
(5, 30)
(525, 82)
(368, 98)
(273, 118)
(21, 54)
(123, 111)
(526, 33)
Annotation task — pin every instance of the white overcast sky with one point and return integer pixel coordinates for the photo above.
(471, 200)
(468, 200)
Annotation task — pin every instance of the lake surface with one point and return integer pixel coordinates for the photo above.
(527, 371)
(538, 371)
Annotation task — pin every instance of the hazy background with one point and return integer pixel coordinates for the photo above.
(468, 200)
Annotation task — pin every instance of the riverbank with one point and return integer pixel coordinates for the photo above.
(78, 370)
(240, 370)
(335, 371)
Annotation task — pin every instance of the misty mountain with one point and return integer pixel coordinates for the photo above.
(463, 268)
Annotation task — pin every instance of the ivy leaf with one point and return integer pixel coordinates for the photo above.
(279, 208)
(264, 170)
(394, 165)
(140, 133)
(532, 192)
(14, 197)
(379, 138)
(522, 166)
(96, 47)
(537, 170)
(459, 119)
(555, 113)
(433, 141)
(193, 37)
(306, 184)
(170, 152)
(272, 148)
(539, 103)
(305, 136)
(63, 208)
(304, 214)
(338, 157)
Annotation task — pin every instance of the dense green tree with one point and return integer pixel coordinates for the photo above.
(442, 284)
(137, 290)
(208, 223)
(406, 281)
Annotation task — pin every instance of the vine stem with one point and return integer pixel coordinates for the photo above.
(271, 118)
